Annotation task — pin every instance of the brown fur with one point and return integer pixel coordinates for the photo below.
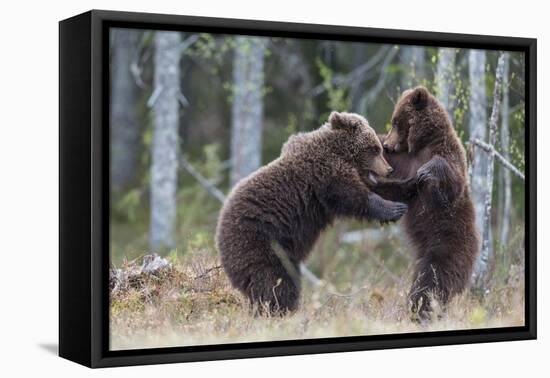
(272, 218)
(428, 156)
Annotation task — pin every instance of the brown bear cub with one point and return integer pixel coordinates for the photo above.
(423, 148)
(272, 218)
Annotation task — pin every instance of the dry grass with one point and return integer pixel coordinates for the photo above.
(193, 303)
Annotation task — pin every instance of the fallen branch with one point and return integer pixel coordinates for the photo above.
(155, 96)
(492, 150)
(187, 43)
(312, 278)
(207, 272)
(205, 183)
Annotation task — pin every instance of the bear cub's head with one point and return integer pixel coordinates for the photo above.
(358, 144)
(418, 120)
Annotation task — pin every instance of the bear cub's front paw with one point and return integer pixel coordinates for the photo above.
(424, 174)
(394, 212)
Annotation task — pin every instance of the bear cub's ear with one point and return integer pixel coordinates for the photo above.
(337, 120)
(345, 121)
(419, 97)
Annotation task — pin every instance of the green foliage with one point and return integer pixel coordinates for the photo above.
(200, 241)
(244, 45)
(146, 138)
(337, 98)
(126, 206)
(211, 51)
(460, 97)
(173, 256)
(275, 137)
(292, 125)
(197, 209)
(212, 163)
(517, 144)
(478, 316)
(132, 303)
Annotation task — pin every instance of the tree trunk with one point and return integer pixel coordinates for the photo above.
(486, 255)
(124, 96)
(414, 62)
(358, 87)
(444, 78)
(165, 145)
(247, 107)
(478, 129)
(506, 175)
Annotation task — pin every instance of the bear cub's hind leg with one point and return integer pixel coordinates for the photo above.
(272, 283)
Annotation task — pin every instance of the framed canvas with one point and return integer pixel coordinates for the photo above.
(235, 188)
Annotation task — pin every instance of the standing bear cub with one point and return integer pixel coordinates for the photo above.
(424, 149)
(272, 218)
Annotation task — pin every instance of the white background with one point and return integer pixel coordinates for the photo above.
(29, 186)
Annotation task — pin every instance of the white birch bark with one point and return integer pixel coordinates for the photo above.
(444, 78)
(506, 175)
(478, 130)
(247, 107)
(505, 163)
(165, 150)
(123, 117)
(482, 268)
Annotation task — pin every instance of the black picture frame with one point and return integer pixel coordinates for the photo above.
(84, 189)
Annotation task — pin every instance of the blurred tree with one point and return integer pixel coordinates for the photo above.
(287, 71)
(358, 87)
(414, 66)
(505, 179)
(125, 132)
(444, 78)
(165, 151)
(487, 253)
(247, 106)
(478, 130)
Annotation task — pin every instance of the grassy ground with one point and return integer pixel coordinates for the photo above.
(193, 302)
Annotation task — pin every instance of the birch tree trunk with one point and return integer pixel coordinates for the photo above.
(478, 129)
(414, 62)
(486, 254)
(444, 78)
(165, 148)
(123, 117)
(506, 175)
(247, 107)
